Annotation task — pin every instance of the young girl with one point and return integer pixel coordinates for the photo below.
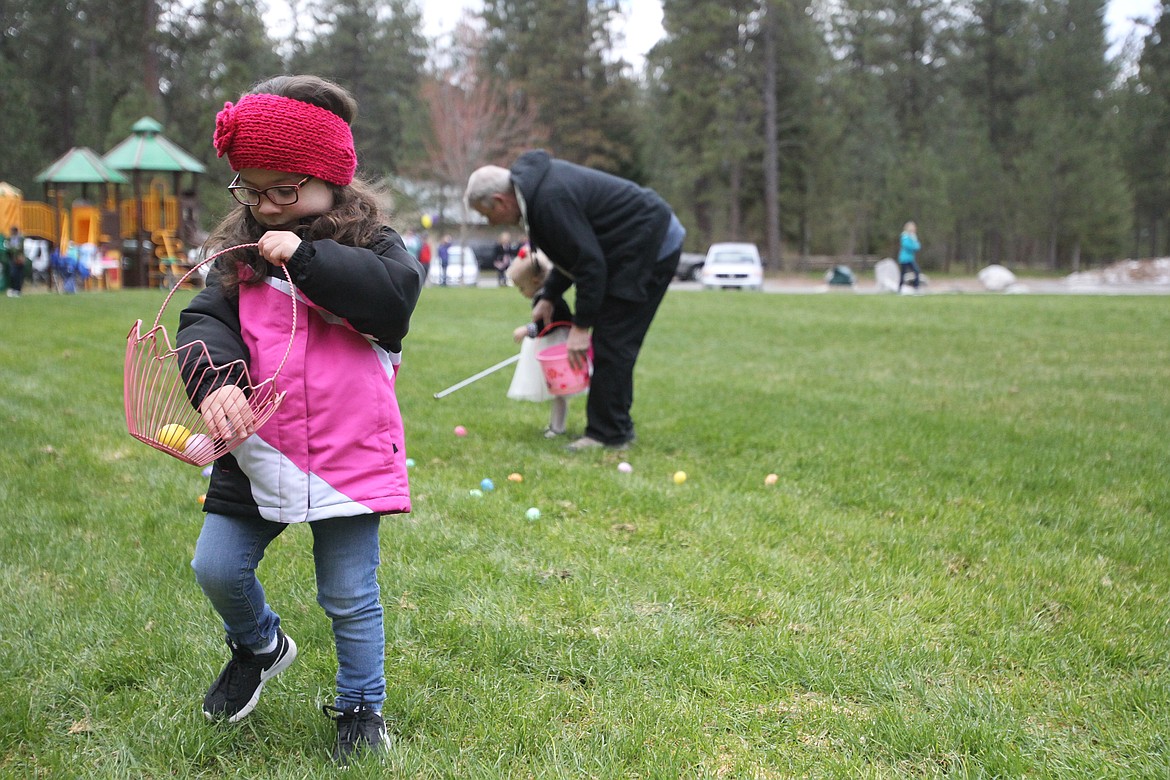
(907, 253)
(333, 454)
(528, 272)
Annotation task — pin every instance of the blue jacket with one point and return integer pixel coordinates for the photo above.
(910, 247)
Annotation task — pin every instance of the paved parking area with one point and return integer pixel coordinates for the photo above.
(800, 285)
(803, 286)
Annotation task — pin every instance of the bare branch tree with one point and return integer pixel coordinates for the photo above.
(473, 122)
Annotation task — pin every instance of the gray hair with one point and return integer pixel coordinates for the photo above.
(485, 182)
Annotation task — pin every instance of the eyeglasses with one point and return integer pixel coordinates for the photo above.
(280, 195)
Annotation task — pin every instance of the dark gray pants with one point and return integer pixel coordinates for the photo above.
(903, 269)
(16, 277)
(617, 338)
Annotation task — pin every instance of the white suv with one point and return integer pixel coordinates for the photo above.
(733, 265)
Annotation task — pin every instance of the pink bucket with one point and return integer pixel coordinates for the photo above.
(562, 378)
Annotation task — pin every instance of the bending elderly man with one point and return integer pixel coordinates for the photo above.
(619, 243)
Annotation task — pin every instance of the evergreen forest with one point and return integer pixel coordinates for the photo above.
(1009, 130)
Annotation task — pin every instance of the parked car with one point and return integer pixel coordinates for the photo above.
(733, 265)
(689, 266)
(485, 252)
(462, 266)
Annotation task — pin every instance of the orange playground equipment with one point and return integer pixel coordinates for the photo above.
(141, 236)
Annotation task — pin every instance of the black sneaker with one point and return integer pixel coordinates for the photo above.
(359, 728)
(237, 689)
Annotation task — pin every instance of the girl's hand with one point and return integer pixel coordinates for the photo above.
(519, 334)
(277, 246)
(542, 313)
(227, 413)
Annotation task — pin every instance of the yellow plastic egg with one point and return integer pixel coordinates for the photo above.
(174, 436)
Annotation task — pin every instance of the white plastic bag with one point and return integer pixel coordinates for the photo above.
(528, 381)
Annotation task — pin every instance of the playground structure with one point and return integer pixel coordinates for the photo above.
(115, 240)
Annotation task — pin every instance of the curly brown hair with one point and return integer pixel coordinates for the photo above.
(354, 220)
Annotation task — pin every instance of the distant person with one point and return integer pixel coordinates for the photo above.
(16, 262)
(528, 384)
(412, 242)
(617, 242)
(332, 456)
(505, 253)
(444, 251)
(907, 252)
(424, 254)
(36, 261)
(4, 270)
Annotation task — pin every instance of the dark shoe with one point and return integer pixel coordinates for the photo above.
(359, 728)
(237, 689)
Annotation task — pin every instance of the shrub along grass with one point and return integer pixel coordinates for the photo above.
(961, 570)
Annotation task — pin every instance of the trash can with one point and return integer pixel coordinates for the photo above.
(840, 276)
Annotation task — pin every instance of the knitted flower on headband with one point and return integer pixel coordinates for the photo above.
(275, 133)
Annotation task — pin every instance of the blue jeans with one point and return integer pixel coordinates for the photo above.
(346, 556)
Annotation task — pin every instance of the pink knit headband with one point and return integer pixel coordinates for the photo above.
(275, 133)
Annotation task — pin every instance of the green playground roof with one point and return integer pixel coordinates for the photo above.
(80, 165)
(147, 149)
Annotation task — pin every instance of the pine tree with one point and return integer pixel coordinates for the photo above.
(1074, 196)
(1147, 132)
(375, 49)
(556, 55)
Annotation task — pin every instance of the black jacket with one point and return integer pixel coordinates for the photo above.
(601, 232)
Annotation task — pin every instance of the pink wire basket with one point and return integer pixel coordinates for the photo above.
(157, 377)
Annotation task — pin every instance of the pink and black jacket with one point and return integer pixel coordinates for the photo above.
(335, 447)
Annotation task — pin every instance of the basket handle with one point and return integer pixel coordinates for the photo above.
(551, 325)
(210, 258)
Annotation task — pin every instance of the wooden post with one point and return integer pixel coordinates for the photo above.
(140, 274)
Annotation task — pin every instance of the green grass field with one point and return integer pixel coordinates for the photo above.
(961, 571)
